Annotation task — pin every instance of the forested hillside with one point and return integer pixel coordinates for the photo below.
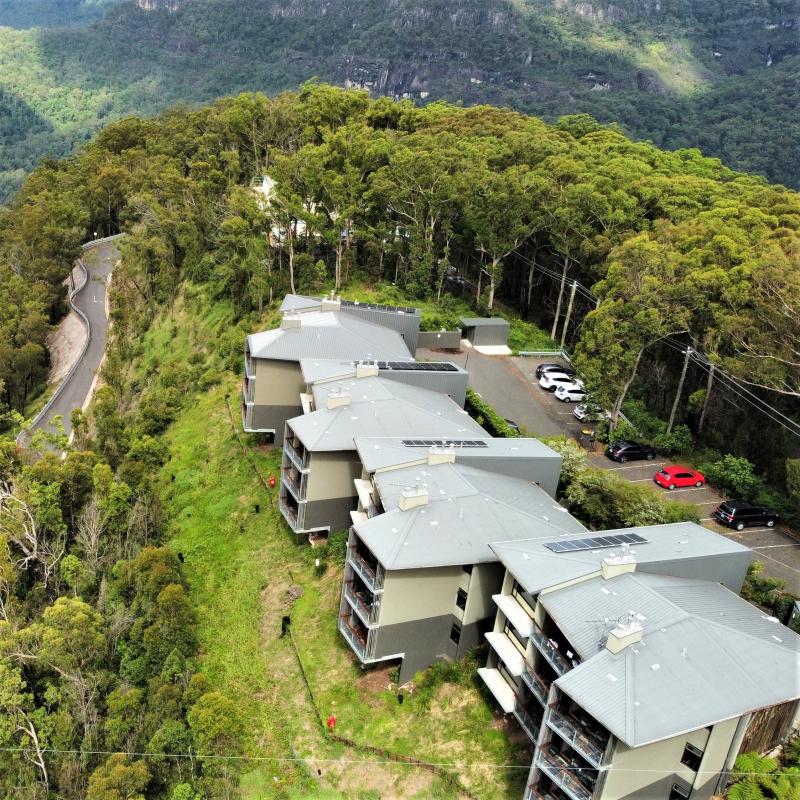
(98, 644)
(721, 76)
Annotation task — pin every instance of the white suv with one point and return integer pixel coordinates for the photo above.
(571, 392)
(550, 381)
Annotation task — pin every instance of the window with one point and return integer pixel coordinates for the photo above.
(467, 568)
(679, 792)
(461, 599)
(455, 633)
(692, 757)
(525, 599)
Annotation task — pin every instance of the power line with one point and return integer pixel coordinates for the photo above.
(376, 762)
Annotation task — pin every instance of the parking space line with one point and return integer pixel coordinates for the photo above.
(639, 480)
(782, 563)
(773, 546)
(707, 502)
(639, 466)
(689, 489)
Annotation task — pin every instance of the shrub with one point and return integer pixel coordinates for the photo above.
(734, 475)
(678, 441)
(760, 590)
(574, 460)
(604, 500)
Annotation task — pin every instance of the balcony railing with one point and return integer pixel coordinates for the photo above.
(293, 485)
(535, 792)
(249, 367)
(569, 729)
(373, 577)
(290, 515)
(538, 686)
(562, 775)
(527, 720)
(294, 454)
(557, 660)
(367, 611)
(362, 643)
(248, 390)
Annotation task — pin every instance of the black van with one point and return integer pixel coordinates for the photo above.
(740, 515)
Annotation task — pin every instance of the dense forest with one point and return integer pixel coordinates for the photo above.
(719, 76)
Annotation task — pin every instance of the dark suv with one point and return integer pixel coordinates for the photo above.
(739, 515)
(544, 368)
(623, 451)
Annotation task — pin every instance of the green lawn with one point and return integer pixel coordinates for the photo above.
(244, 569)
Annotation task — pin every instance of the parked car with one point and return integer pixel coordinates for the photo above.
(542, 369)
(550, 381)
(587, 412)
(676, 477)
(624, 450)
(739, 514)
(571, 392)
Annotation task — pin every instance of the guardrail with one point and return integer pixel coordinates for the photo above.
(22, 435)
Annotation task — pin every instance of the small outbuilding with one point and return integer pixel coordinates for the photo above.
(485, 331)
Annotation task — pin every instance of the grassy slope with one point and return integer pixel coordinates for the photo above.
(241, 565)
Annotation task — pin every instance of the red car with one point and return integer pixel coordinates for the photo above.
(679, 477)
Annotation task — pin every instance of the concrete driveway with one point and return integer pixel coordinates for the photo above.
(510, 385)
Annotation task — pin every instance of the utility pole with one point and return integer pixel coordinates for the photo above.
(569, 313)
(680, 389)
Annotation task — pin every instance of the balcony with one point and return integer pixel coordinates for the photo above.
(500, 688)
(358, 638)
(249, 366)
(572, 731)
(514, 613)
(527, 720)
(248, 391)
(366, 609)
(562, 774)
(292, 484)
(557, 660)
(289, 513)
(296, 455)
(510, 656)
(372, 576)
(539, 688)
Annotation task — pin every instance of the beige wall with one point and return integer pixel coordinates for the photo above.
(410, 594)
(278, 383)
(647, 773)
(487, 579)
(332, 474)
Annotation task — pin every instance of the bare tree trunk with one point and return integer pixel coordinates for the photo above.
(30, 731)
(291, 263)
(560, 297)
(706, 399)
(615, 412)
(480, 279)
(490, 303)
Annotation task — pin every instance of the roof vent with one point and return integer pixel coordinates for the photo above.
(413, 498)
(441, 455)
(338, 398)
(614, 565)
(626, 633)
(331, 304)
(367, 369)
(290, 321)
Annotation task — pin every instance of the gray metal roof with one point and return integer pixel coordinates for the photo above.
(706, 655)
(318, 369)
(381, 452)
(379, 405)
(299, 302)
(328, 335)
(536, 567)
(467, 509)
(322, 369)
(484, 322)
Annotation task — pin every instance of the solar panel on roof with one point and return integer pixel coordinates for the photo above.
(379, 307)
(415, 366)
(443, 443)
(595, 543)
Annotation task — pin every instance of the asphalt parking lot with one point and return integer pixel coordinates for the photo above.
(510, 385)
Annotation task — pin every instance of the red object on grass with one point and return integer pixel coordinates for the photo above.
(331, 723)
(271, 481)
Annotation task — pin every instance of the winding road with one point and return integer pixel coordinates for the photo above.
(90, 300)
